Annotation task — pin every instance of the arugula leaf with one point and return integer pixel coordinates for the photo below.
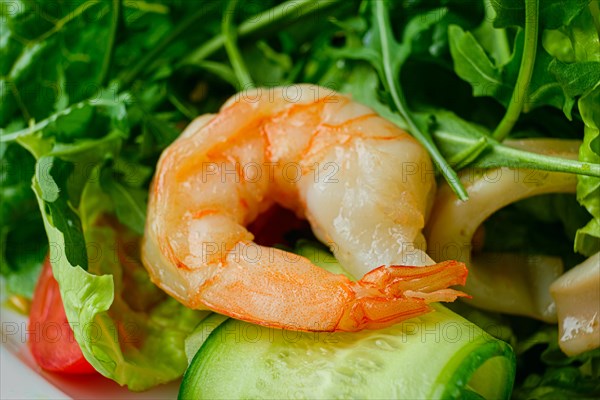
(23, 252)
(22, 240)
(565, 377)
(558, 45)
(472, 64)
(222, 71)
(67, 220)
(155, 36)
(292, 11)
(387, 57)
(495, 41)
(16, 169)
(67, 49)
(461, 142)
(548, 80)
(544, 88)
(559, 383)
(52, 174)
(553, 13)
(267, 66)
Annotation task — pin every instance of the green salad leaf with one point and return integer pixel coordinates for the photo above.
(130, 203)
(473, 65)
(22, 241)
(575, 377)
(122, 322)
(552, 82)
(54, 55)
(587, 240)
(577, 78)
(553, 13)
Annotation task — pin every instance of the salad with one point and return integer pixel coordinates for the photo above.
(503, 94)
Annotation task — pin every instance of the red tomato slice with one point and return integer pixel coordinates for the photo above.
(51, 338)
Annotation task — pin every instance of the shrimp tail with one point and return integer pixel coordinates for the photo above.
(388, 295)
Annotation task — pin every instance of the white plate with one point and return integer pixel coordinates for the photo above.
(21, 378)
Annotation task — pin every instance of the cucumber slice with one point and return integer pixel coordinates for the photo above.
(197, 338)
(438, 355)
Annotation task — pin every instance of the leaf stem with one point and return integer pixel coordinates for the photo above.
(58, 25)
(221, 70)
(400, 103)
(230, 41)
(544, 162)
(299, 8)
(515, 158)
(519, 95)
(110, 46)
(9, 137)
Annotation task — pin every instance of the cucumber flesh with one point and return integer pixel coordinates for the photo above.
(438, 355)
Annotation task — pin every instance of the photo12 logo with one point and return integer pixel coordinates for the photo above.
(254, 172)
(63, 332)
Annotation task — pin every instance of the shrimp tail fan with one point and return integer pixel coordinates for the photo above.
(429, 283)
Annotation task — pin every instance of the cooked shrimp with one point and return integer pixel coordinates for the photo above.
(364, 185)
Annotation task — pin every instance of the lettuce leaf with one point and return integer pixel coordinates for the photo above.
(127, 328)
(587, 239)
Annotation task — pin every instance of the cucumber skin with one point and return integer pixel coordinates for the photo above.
(240, 360)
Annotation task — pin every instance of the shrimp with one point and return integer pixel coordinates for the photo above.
(364, 185)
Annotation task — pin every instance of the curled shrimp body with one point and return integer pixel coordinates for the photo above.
(364, 185)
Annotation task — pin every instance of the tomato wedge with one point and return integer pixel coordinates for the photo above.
(51, 338)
